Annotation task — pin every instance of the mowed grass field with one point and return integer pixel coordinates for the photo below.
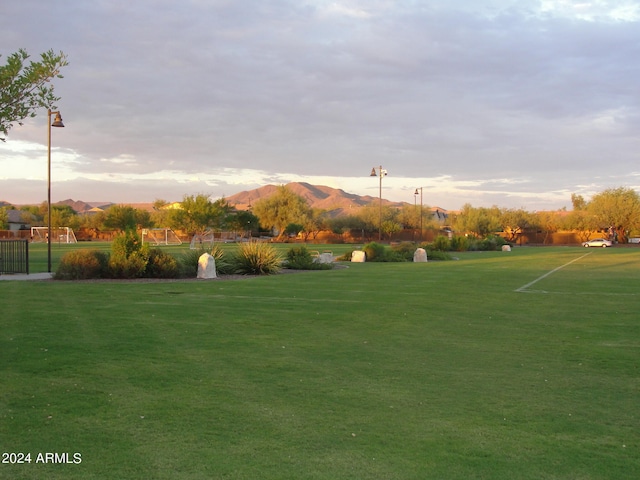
(499, 365)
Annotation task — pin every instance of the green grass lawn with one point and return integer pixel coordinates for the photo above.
(494, 366)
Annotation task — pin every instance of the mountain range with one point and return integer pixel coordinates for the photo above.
(334, 200)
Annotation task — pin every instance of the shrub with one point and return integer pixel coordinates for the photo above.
(128, 256)
(438, 255)
(82, 264)
(345, 257)
(223, 266)
(188, 262)
(492, 242)
(405, 251)
(441, 243)
(161, 265)
(459, 243)
(256, 259)
(126, 244)
(299, 258)
(374, 251)
(133, 266)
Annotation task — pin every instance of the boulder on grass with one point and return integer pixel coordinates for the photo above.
(206, 266)
(358, 256)
(420, 255)
(506, 248)
(325, 257)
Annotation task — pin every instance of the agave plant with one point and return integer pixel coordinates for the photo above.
(257, 259)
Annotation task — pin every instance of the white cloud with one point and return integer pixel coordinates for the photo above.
(221, 96)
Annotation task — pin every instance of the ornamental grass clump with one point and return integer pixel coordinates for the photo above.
(223, 265)
(256, 259)
(189, 262)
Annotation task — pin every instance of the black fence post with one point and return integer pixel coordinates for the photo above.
(14, 256)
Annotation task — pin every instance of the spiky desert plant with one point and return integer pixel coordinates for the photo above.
(256, 258)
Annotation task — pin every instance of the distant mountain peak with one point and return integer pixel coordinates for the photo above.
(317, 196)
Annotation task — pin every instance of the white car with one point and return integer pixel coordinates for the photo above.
(597, 242)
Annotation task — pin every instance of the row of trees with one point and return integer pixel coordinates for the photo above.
(614, 212)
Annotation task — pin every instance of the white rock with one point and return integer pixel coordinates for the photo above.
(358, 256)
(420, 255)
(206, 266)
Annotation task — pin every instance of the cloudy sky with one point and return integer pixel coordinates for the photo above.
(515, 103)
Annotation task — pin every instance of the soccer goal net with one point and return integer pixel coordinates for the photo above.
(160, 236)
(202, 241)
(58, 234)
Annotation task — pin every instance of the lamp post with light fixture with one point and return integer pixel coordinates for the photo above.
(381, 173)
(416, 196)
(57, 122)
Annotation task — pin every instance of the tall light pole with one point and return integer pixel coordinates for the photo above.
(416, 194)
(57, 122)
(381, 173)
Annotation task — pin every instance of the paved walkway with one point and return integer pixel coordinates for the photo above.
(33, 276)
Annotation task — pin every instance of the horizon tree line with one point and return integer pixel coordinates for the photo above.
(614, 212)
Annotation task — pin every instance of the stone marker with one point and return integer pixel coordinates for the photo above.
(325, 258)
(206, 266)
(358, 256)
(420, 255)
(506, 248)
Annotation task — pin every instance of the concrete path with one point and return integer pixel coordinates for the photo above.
(33, 276)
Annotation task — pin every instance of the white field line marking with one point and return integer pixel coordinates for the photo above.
(524, 287)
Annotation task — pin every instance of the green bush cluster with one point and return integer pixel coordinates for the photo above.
(82, 265)
(376, 252)
(128, 259)
(462, 244)
(299, 258)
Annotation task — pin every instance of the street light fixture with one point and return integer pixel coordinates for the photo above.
(381, 173)
(416, 196)
(57, 122)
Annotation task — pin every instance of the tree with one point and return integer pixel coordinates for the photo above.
(578, 202)
(199, 214)
(125, 218)
(617, 209)
(242, 221)
(26, 88)
(514, 222)
(4, 218)
(478, 221)
(61, 215)
(314, 222)
(350, 224)
(281, 209)
(370, 215)
(389, 228)
(549, 222)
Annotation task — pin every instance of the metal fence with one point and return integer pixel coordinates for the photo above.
(14, 256)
